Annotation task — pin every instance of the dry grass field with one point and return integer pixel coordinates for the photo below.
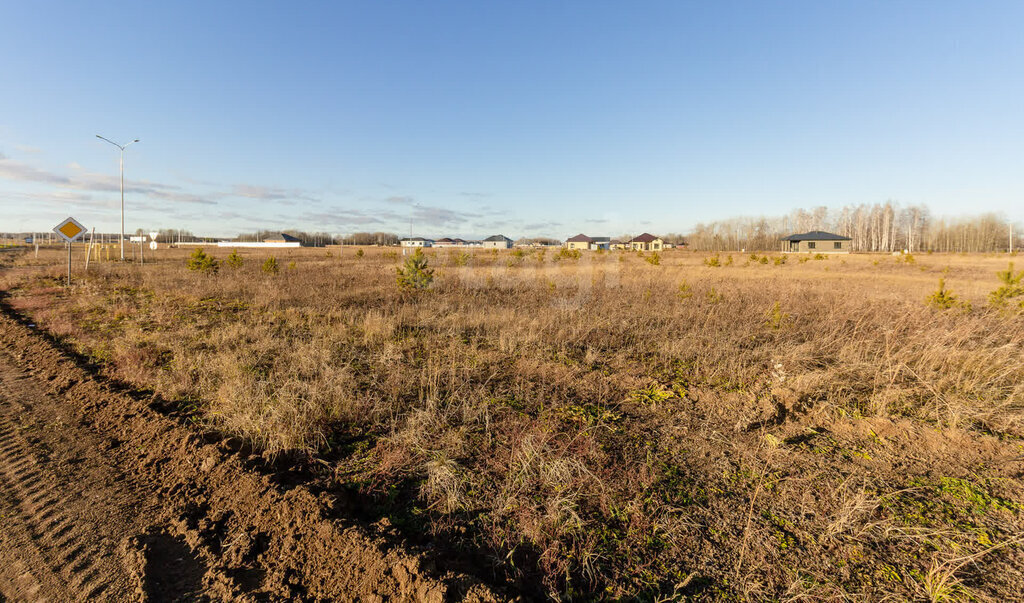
(606, 426)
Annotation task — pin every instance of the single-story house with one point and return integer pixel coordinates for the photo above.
(600, 243)
(580, 241)
(816, 241)
(497, 242)
(280, 237)
(274, 240)
(618, 244)
(416, 242)
(646, 242)
(445, 242)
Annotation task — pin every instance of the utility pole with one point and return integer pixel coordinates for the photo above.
(122, 147)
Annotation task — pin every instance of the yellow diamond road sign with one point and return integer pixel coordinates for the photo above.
(69, 230)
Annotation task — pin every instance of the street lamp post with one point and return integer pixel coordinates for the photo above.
(122, 147)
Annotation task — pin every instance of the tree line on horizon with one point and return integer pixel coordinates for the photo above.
(878, 227)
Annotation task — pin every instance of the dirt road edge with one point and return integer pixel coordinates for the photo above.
(250, 529)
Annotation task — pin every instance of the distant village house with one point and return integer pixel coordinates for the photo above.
(646, 242)
(416, 242)
(497, 242)
(816, 242)
(580, 241)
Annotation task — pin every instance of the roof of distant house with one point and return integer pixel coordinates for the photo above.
(444, 240)
(644, 238)
(816, 235)
(415, 239)
(280, 236)
(498, 238)
(600, 239)
(580, 238)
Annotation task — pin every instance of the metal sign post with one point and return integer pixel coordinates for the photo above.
(69, 230)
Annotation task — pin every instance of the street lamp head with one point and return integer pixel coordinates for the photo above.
(136, 140)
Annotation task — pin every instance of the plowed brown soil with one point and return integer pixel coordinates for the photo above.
(103, 497)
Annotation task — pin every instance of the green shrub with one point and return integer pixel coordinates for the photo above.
(200, 261)
(270, 265)
(1012, 288)
(234, 260)
(776, 318)
(943, 299)
(654, 259)
(685, 292)
(415, 274)
(569, 254)
(780, 260)
(359, 253)
(713, 261)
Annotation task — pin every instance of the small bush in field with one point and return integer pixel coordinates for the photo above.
(234, 260)
(943, 299)
(820, 256)
(780, 260)
(569, 254)
(651, 395)
(909, 258)
(1012, 288)
(685, 292)
(200, 261)
(713, 296)
(728, 260)
(359, 253)
(654, 259)
(291, 265)
(415, 273)
(713, 261)
(763, 260)
(776, 318)
(270, 266)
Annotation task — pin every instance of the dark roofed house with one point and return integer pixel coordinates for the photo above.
(280, 237)
(816, 241)
(580, 241)
(497, 242)
(646, 242)
(600, 243)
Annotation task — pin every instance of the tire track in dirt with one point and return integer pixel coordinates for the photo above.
(61, 545)
(107, 498)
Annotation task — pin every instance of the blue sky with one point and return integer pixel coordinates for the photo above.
(527, 118)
